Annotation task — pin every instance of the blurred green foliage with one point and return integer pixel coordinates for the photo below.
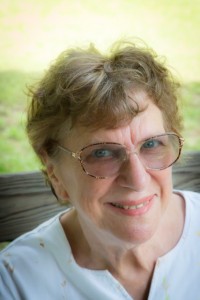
(34, 32)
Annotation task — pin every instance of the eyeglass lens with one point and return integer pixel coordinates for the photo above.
(106, 159)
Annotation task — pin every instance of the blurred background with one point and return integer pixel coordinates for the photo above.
(34, 32)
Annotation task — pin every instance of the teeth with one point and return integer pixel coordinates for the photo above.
(132, 206)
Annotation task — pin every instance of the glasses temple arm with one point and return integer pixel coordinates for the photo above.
(75, 155)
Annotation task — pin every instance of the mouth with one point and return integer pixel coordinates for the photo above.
(127, 207)
(133, 208)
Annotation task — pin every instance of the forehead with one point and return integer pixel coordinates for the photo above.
(146, 124)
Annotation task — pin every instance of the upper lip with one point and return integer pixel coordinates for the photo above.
(133, 202)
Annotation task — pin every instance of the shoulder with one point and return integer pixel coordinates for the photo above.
(45, 240)
(192, 205)
(34, 257)
(192, 212)
(192, 217)
(190, 197)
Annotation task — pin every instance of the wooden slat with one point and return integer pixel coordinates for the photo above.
(26, 200)
(22, 183)
(186, 173)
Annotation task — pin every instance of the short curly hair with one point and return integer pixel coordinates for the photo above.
(87, 87)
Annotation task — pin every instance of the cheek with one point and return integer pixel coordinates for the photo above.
(166, 178)
(92, 191)
(163, 178)
(84, 191)
(165, 185)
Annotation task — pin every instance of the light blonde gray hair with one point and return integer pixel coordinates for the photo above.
(93, 89)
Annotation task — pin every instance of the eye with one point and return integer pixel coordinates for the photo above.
(106, 153)
(95, 155)
(102, 153)
(99, 153)
(151, 144)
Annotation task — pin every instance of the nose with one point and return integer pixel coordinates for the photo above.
(133, 173)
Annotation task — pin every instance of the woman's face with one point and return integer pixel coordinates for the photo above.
(101, 204)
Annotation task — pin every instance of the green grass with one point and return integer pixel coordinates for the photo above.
(16, 153)
(34, 32)
(191, 113)
(3, 245)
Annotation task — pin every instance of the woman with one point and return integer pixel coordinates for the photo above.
(107, 129)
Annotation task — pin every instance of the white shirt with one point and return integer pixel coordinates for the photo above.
(40, 266)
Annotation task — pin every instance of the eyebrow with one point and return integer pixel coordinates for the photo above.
(100, 140)
(118, 143)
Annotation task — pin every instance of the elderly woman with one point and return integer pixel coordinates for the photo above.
(107, 129)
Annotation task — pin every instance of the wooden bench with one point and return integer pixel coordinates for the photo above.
(26, 201)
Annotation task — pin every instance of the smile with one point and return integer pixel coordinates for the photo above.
(132, 206)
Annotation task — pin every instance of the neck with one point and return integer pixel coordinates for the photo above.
(100, 251)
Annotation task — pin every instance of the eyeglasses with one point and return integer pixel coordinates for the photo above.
(104, 160)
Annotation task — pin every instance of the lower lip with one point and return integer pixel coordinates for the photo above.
(135, 212)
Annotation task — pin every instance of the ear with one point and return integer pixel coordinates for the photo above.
(55, 178)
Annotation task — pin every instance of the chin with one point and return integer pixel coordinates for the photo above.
(137, 235)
